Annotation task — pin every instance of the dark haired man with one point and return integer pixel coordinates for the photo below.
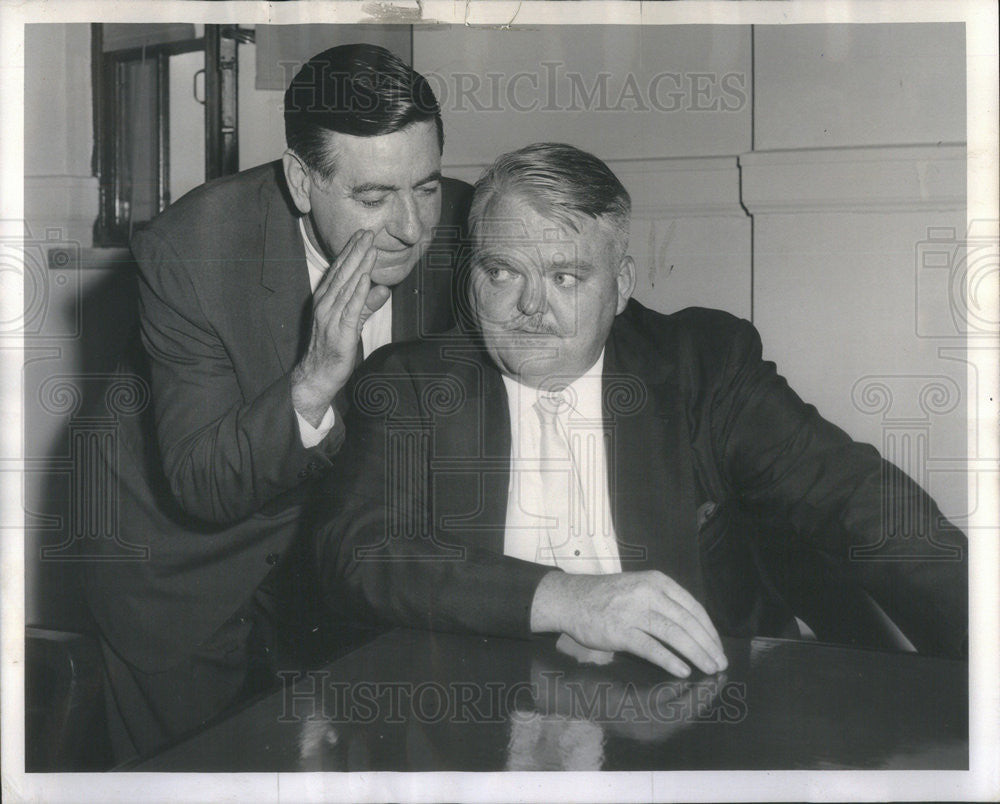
(259, 293)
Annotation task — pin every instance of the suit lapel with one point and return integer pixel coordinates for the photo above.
(496, 452)
(649, 461)
(472, 451)
(407, 299)
(285, 279)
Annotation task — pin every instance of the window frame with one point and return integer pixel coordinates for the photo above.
(114, 224)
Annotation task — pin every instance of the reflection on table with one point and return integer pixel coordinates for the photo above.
(419, 701)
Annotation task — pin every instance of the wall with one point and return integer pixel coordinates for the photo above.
(262, 126)
(73, 314)
(858, 169)
(59, 188)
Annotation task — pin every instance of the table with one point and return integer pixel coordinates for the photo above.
(421, 701)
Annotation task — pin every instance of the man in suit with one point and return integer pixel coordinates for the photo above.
(547, 472)
(259, 294)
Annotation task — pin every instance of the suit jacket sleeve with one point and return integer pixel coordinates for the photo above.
(838, 494)
(224, 456)
(380, 552)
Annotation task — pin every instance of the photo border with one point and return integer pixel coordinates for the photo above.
(980, 782)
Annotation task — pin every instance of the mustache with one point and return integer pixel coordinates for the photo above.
(534, 326)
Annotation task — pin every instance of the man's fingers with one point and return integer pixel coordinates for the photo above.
(342, 269)
(377, 296)
(351, 318)
(346, 293)
(688, 639)
(678, 594)
(340, 321)
(697, 624)
(333, 275)
(646, 647)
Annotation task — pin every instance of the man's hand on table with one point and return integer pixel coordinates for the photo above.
(644, 613)
(342, 302)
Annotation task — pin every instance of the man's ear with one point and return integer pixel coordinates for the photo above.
(626, 282)
(297, 177)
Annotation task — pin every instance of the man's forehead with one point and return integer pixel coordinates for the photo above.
(530, 234)
(517, 228)
(399, 158)
(528, 253)
(512, 213)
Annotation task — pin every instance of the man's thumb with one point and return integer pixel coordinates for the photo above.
(377, 296)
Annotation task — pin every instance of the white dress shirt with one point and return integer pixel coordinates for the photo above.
(582, 422)
(376, 332)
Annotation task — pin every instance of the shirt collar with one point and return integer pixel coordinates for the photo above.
(584, 393)
(315, 262)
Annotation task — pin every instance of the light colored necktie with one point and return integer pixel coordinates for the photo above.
(567, 539)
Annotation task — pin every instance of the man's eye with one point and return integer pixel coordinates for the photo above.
(498, 274)
(372, 203)
(565, 280)
(429, 189)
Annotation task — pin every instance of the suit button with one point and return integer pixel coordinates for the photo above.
(272, 558)
(314, 465)
(303, 473)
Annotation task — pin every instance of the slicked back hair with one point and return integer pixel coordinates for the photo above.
(359, 89)
(561, 183)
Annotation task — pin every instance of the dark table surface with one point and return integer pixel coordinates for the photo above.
(416, 701)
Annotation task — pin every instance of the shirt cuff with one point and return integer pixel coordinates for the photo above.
(310, 435)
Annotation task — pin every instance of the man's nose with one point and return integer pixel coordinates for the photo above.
(532, 298)
(404, 224)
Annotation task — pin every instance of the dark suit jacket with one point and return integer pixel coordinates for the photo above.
(693, 414)
(211, 476)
